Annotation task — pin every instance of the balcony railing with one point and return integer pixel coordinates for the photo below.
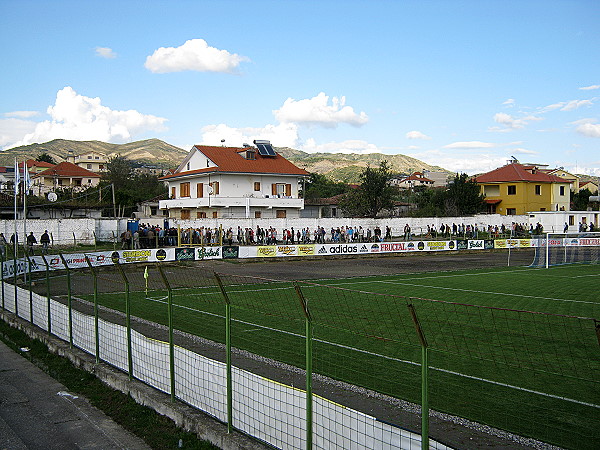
(228, 202)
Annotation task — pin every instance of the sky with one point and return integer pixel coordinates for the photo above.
(466, 85)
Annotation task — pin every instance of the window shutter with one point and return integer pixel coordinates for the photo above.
(274, 189)
(200, 190)
(216, 187)
(288, 190)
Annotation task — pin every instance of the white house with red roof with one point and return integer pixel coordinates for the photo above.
(413, 180)
(234, 182)
(63, 175)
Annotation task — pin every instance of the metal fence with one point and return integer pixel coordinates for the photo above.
(307, 365)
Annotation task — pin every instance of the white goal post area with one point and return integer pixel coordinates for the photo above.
(558, 248)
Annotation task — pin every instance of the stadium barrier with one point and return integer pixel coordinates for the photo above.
(458, 358)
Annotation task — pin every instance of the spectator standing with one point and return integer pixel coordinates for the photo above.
(31, 241)
(45, 241)
(2, 246)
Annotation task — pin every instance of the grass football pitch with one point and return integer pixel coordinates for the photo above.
(514, 348)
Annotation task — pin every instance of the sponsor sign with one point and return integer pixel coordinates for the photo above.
(231, 252)
(306, 250)
(488, 244)
(185, 254)
(515, 243)
(287, 250)
(589, 242)
(209, 253)
(436, 246)
(266, 252)
(476, 244)
(462, 244)
(136, 255)
(161, 254)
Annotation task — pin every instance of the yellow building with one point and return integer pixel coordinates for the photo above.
(516, 189)
(562, 173)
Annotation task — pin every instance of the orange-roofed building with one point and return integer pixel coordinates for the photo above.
(240, 182)
(34, 166)
(63, 175)
(516, 189)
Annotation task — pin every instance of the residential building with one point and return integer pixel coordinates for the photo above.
(246, 182)
(590, 186)
(411, 181)
(562, 173)
(63, 175)
(439, 178)
(517, 188)
(34, 166)
(92, 160)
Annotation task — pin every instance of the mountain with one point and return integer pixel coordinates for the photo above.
(347, 167)
(150, 151)
(336, 166)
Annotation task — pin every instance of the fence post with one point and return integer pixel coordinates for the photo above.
(127, 320)
(228, 352)
(2, 275)
(49, 311)
(96, 327)
(29, 286)
(15, 267)
(69, 304)
(309, 357)
(170, 318)
(95, 241)
(74, 240)
(424, 380)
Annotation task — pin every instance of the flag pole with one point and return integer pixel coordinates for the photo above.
(25, 187)
(17, 181)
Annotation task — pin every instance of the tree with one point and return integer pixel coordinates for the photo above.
(462, 197)
(119, 172)
(319, 186)
(45, 157)
(580, 200)
(373, 194)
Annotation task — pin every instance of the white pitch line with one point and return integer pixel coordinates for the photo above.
(487, 292)
(497, 383)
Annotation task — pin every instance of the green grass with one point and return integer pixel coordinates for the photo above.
(491, 362)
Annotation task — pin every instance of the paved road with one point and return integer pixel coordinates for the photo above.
(37, 412)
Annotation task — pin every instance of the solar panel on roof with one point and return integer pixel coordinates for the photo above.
(265, 148)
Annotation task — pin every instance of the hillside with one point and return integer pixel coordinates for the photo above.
(347, 167)
(150, 151)
(337, 166)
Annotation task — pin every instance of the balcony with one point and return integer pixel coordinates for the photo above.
(227, 202)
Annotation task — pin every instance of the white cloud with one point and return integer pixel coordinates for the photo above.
(469, 162)
(509, 102)
(589, 130)
(105, 52)
(416, 135)
(470, 145)
(522, 151)
(590, 88)
(511, 122)
(349, 146)
(77, 117)
(196, 55)
(317, 111)
(567, 106)
(12, 129)
(22, 114)
(282, 135)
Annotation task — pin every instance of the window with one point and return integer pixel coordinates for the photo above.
(280, 214)
(89, 181)
(512, 190)
(333, 212)
(250, 154)
(571, 220)
(188, 166)
(257, 185)
(281, 189)
(90, 157)
(257, 214)
(184, 189)
(511, 211)
(562, 190)
(215, 187)
(200, 190)
(538, 189)
(185, 214)
(173, 192)
(101, 166)
(201, 215)
(89, 166)
(215, 215)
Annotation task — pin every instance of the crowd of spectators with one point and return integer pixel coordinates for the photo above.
(152, 236)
